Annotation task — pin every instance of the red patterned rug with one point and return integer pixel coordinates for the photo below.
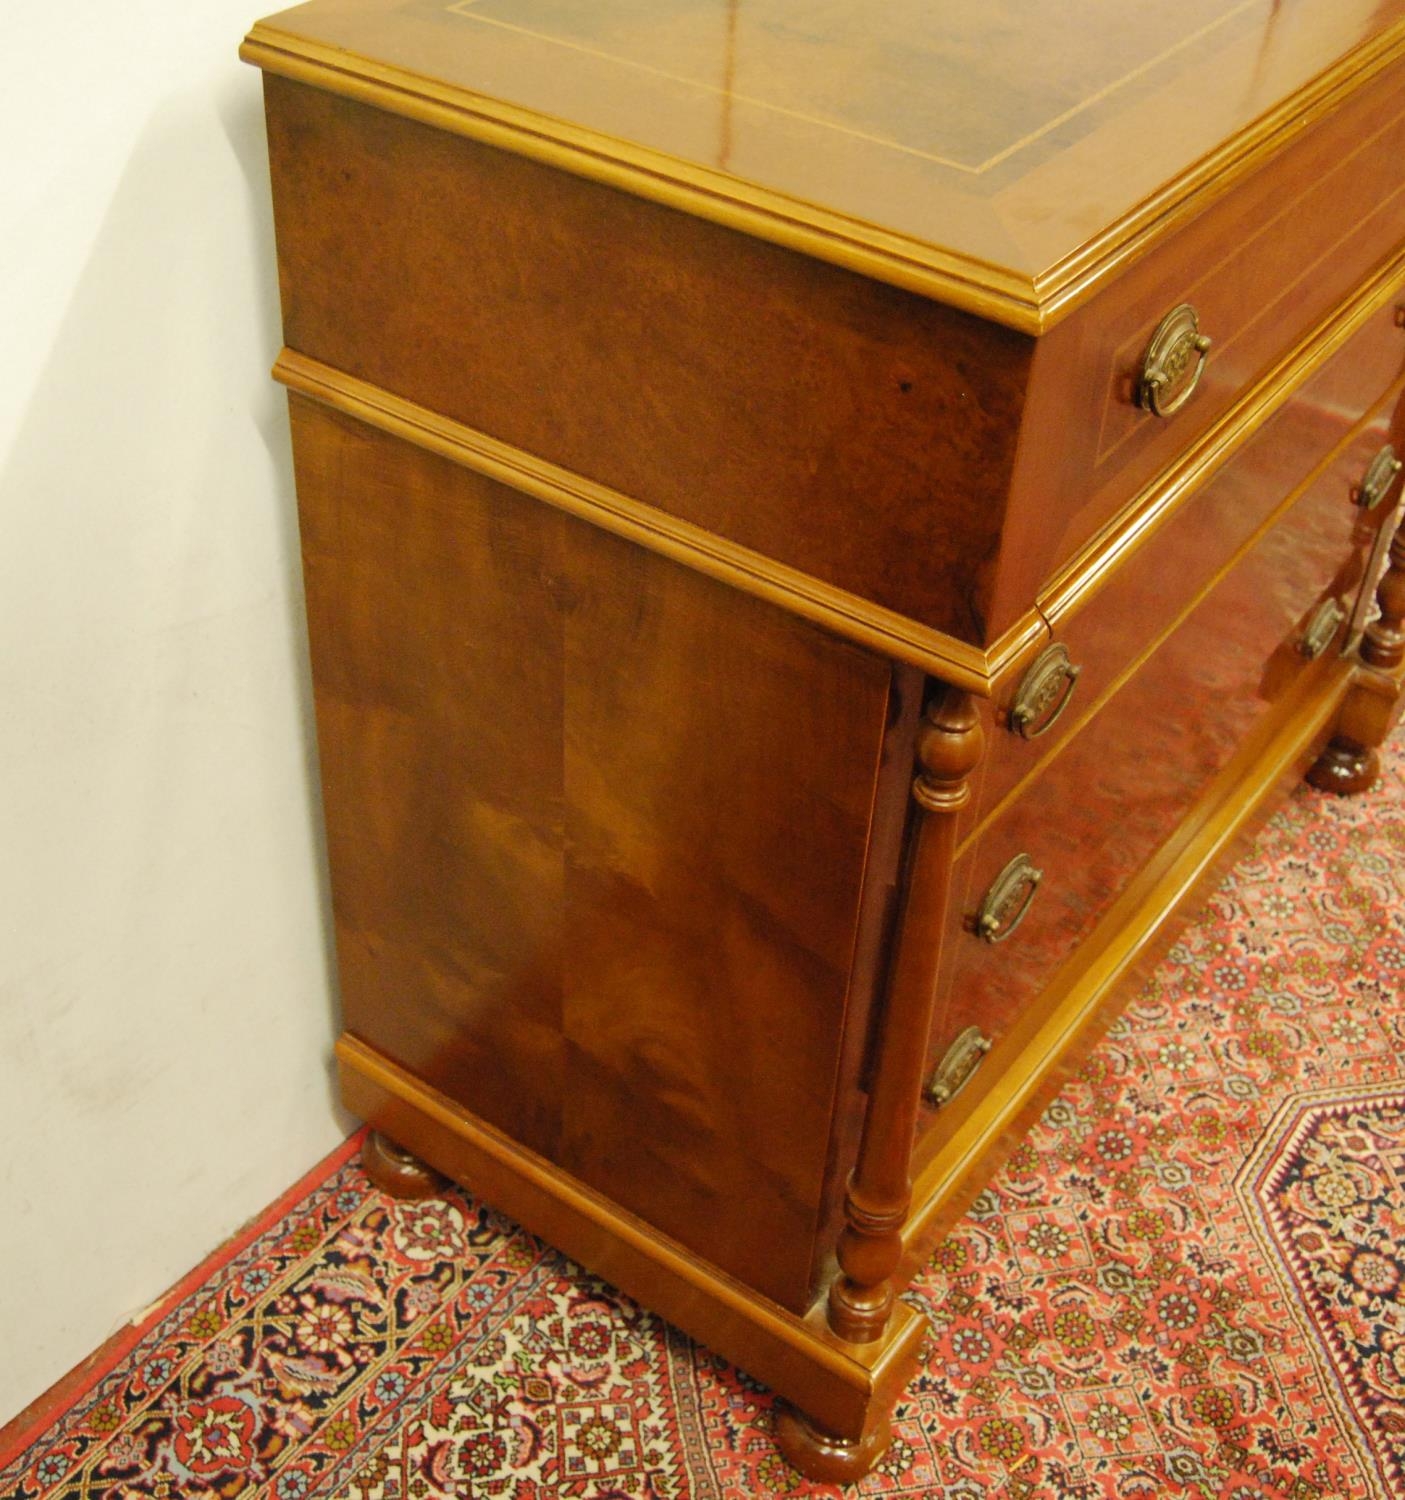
(1187, 1281)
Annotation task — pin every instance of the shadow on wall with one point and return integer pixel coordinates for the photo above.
(158, 783)
(241, 113)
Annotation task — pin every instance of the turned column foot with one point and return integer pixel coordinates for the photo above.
(1346, 768)
(822, 1456)
(395, 1171)
(1372, 705)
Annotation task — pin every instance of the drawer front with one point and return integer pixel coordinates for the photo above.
(1262, 268)
(1119, 787)
(1318, 437)
(1145, 597)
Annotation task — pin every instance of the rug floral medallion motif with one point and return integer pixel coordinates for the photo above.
(1328, 1185)
(1185, 1281)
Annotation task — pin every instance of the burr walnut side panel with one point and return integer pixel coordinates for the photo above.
(597, 831)
(848, 429)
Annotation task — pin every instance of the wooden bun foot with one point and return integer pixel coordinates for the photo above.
(823, 1457)
(1345, 768)
(395, 1171)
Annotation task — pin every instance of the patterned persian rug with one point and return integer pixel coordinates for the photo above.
(1189, 1280)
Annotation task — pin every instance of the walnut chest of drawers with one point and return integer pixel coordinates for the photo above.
(821, 525)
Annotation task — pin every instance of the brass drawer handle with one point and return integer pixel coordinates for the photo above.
(1321, 628)
(1049, 682)
(1377, 480)
(1173, 362)
(1007, 902)
(957, 1067)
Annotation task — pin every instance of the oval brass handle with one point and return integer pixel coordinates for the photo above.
(1322, 628)
(957, 1067)
(1173, 362)
(1377, 480)
(1049, 682)
(1006, 904)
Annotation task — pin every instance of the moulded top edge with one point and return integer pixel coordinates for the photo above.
(998, 155)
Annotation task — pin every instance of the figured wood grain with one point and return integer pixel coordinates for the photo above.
(1356, 352)
(1185, 528)
(562, 780)
(1300, 474)
(802, 414)
(850, 431)
(1305, 445)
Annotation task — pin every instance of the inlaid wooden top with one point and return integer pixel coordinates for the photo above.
(1004, 155)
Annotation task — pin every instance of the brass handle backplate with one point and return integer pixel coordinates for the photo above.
(1007, 902)
(1322, 628)
(1173, 362)
(1043, 693)
(1377, 480)
(957, 1067)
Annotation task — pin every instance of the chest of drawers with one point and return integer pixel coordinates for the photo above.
(821, 526)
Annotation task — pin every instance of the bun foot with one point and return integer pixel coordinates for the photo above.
(1345, 768)
(395, 1171)
(824, 1457)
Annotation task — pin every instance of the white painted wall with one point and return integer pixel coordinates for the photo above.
(166, 1012)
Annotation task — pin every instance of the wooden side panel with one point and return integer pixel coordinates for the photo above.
(597, 831)
(438, 671)
(851, 430)
(720, 764)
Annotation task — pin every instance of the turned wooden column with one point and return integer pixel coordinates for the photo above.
(1351, 762)
(880, 1187)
